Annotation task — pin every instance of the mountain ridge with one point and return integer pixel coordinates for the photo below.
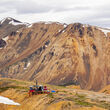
(56, 53)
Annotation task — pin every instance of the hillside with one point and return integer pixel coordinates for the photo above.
(65, 98)
(55, 53)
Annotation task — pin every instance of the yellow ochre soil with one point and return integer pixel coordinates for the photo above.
(65, 98)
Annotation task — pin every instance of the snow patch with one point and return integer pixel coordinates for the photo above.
(63, 31)
(17, 23)
(8, 18)
(86, 25)
(5, 19)
(5, 38)
(28, 64)
(14, 22)
(46, 45)
(29, 25)
(83, 26)
(104, 30)
(65, 25)
(5, 100)
(49, 22)
(59, 30)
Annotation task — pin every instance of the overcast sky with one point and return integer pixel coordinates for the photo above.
(94, 12)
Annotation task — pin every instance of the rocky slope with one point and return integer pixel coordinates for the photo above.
(55, 53)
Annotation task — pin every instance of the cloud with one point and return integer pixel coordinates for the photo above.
(24, 6)
(69, 11)
(74, 8)
(27, 7)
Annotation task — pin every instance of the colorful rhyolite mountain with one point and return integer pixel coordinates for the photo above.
(55, 53)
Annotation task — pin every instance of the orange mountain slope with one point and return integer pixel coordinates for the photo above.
(55, 53)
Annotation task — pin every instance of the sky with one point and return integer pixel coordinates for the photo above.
(93, 12)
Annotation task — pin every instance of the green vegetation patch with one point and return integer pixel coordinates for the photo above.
(6, 84)
(19, 82)
(80, 100)
(50, 95)
(103, 104)
(2, 89)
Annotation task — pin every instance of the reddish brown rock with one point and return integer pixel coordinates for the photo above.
(58, 54)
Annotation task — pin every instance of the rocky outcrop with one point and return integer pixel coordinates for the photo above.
(2, 43)
(58, 54)
(9, 26)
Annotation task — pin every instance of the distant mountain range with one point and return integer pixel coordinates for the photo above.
(55, 53)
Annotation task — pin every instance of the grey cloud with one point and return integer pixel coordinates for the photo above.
(3, 10)
(23, 7)
(32, 8)
(82, 8)
(94, 13)
(74, 8)
(97, 20)
(100, 17)
(27, 7)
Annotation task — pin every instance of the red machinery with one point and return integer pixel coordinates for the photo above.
(38, 89)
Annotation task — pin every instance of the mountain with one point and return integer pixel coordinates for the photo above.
(55, 53)
(8, 25)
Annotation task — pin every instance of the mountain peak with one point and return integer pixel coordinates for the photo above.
(7, 19)
(12, 21)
